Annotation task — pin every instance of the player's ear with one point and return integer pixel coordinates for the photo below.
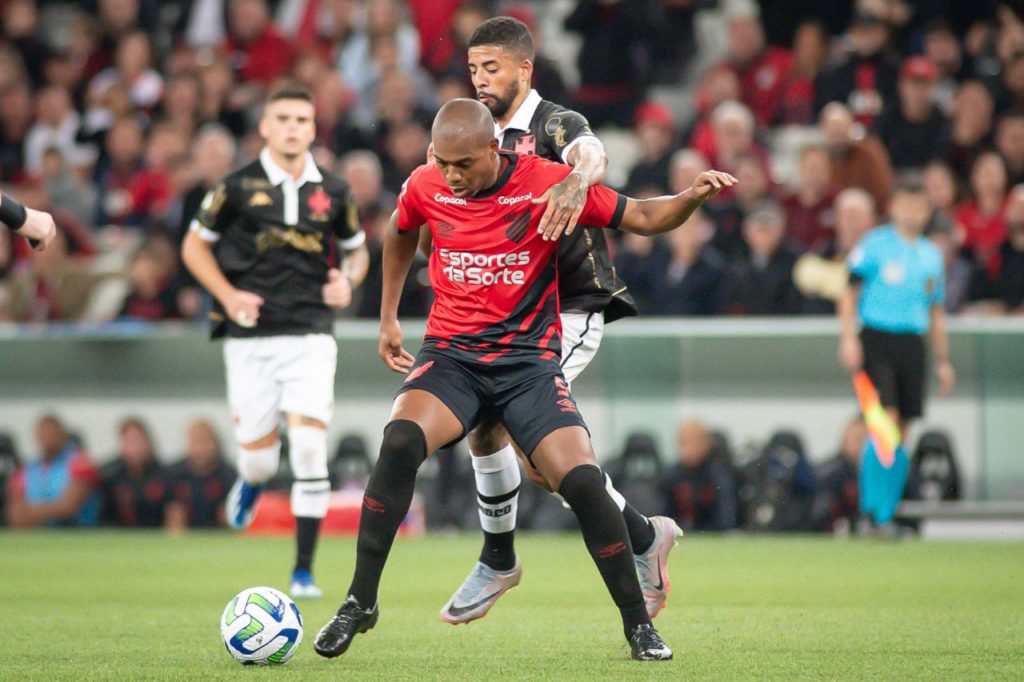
(526, 69)
(264, 128)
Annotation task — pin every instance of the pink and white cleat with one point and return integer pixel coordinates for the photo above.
(479, 592)
(652, 565)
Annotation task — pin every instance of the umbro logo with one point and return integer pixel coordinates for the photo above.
(445, 230)
(519, 225)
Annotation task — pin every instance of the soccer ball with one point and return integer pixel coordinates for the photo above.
(261, 626)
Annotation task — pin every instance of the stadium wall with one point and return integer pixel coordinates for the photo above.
(745, 377)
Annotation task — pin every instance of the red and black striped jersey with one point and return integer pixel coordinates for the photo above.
(494, 277)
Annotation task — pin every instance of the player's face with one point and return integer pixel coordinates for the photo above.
(467, 166)
(498, 76)
(288, 127)
(910, 210)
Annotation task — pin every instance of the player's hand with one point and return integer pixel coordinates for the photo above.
(243, 307)
(38, 229)
(390, 349)
(565, 203)
(708, 184)
(851, 354)
(946, 375)
(337, 293)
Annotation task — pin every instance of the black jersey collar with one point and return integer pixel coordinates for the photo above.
(503, 178)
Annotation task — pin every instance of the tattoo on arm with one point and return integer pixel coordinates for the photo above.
(572, 191)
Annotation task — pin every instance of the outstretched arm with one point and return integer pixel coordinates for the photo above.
(35, 226)
(566, 199)
(663, 214)
(399, 251)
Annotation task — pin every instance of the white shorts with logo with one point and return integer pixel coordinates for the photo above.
(581, 337)
(268, 375)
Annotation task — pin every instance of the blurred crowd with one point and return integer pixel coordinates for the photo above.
(769, 486)
(118, 115)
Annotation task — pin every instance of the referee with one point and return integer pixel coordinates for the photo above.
(896, 293)
(35, 226)
(278, 245)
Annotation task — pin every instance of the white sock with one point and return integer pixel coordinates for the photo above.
(307, 453)
(259, 466)
(497, 486)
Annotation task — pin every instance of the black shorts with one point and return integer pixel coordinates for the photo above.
(530, 396)
(896, 365)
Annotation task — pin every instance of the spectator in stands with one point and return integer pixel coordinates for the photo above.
(734, 127)
(362, 171)
(547, 76)
(1011, 92)
(810, 50)
(218, 100)
(959, 273)
(256, 49)
(940, 182)
(838, 484)
(942, 48)
(67, 189)
(50, 286)
(612, 58)
(9, 463)
(133, 71)
(821, 278)
(760, 282)
(59, 488)
(728, 214)
(385, 21)
(1010, 286)
(396, 96)
(982, 217)
(809, 215)
(122, 172)
(1010, 144)
(914, 130)
(655, 132)
(406, 148)
(763, 70)
(856, 161)
(152, 296)
(198, 485)
(641, 262)
(213, 154)
(717, 86)
(20, 30)
(134, 489)
(56, 126)
(180, 106)
(972, 128)
(15, 122)
(689, 282)
(865, 78)
(699, 491)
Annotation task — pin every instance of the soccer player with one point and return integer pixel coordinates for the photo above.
(500, 58)
(266, 244)
(896, 293)
(492, 347)
(35, 226)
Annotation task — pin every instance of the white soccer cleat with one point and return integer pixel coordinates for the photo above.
(303, 587)
(479, 592)
(652, 565)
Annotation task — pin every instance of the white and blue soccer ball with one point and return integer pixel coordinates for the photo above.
(261, 626)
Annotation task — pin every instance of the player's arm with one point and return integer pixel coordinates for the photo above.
(341, 282)
(243, 307)
(35, 226)
(851, 355)
(426, 240)
(938, 339)
(664, 214)
(399, 252)
(565, 200)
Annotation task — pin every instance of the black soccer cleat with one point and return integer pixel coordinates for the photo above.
(352, 619)
(645, 644)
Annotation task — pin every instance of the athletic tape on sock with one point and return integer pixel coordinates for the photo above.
(259, 466)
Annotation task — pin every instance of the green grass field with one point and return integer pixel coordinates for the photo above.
(119, 606)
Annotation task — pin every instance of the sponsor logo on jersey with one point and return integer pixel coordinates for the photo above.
(445, 230)
(556, 130)
(319, 204)
(511, 201)
(464, 267)
(276, 238)
(261, 199)
(454, 201)
(520, 222)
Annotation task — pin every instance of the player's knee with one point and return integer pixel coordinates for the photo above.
(258, 465)
(582, 485)
(487, 438)
(307, 452)
(404, 445)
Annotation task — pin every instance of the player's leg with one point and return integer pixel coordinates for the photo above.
(253, 398)
(421, 422)
(305, 371)
(542, 417)
(497, 484)
(875, 480)
(566, 459)
(652, 539)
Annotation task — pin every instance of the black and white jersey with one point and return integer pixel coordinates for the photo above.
(277, 237)
(587, 281)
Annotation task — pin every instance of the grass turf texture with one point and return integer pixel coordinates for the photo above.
(108, 605)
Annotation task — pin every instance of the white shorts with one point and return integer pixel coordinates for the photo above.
(268, 375)
(581, 337)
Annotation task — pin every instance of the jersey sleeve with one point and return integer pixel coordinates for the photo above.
(410, 216)
(16, 484)
(604, 208)
(862, 262)
(567, 129)
(83, 470)
(936, 286)
(346, 226)
(214, 215)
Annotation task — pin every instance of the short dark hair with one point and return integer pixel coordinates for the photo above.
(911, 182)
(505, 32)
(289, 91)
